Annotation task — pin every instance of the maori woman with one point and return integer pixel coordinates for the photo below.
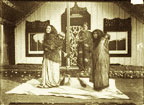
(52, 45)
(101, 59)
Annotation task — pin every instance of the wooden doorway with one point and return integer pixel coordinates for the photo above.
(78, 16)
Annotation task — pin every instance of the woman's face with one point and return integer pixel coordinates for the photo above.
(48, 29)
(85, 27)
(95, 35)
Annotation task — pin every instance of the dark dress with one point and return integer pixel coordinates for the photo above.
(52, 45)
(101, 64)
(84, 51)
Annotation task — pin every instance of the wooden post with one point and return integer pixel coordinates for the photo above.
(1, 44)
(68, 34)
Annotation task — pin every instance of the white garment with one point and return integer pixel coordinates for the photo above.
(50, 73)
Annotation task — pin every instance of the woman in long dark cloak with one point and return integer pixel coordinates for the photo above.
(101, 60)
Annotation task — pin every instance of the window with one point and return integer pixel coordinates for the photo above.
(120, 36)
(34, 37)
(35, 41)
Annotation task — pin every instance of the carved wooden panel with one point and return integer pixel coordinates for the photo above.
(78, 15)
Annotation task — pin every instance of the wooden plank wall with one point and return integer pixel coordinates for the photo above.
(99, 10)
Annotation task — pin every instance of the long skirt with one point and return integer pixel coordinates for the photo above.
(50, 73)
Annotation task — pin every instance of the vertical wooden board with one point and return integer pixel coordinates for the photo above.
(140, 44)
(115, 11)
(39, 15)
(133, 42)
(53, 5)
(100, 16)
(87, 5)
(42, 13)
(105, 10)
(116, 15)
(127, 60)
(121, 15)
(117, 60)
(1, 44)
(47, 8)
(137, 43)
(143, 44)
(34, 16)
(62, 10)
(23, 47)
(71, 4)
(20, 43)
(110, 8)
(126, 15)
(56, 18)
(31, 18)
(94, 16)
(81, 4)
(113, 60)
(16, 46)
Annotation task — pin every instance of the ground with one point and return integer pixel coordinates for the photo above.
(131, 87)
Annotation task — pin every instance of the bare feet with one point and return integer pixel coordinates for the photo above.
(42, 86)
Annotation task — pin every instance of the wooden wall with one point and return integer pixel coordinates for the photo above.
(99, 10)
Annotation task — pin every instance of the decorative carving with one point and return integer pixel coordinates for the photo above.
(74, 36)
(34, 71)
(36, 26)
(78, 15)
(117, 24)
(78, 10)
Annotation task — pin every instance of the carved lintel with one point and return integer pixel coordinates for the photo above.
(117, 24)
(36, 26)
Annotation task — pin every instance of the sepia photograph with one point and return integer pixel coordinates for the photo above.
(71, 52)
